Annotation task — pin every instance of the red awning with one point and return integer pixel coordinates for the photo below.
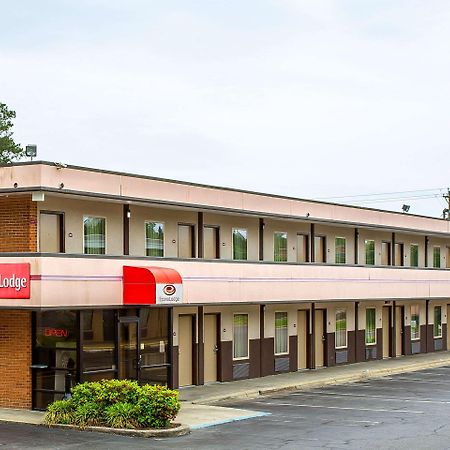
(150, 285)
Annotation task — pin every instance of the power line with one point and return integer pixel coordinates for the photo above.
(381, 193)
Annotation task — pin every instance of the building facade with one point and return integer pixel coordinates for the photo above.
(112, 275)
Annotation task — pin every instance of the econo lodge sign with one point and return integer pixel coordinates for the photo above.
(14, 281)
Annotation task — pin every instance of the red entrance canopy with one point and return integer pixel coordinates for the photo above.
(151, 285)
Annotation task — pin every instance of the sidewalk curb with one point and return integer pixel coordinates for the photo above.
(365, 374)
(179, 430)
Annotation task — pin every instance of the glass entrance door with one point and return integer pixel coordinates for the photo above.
(129, 354)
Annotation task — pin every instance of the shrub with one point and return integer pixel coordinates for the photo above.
(88, 414)
(61, 411)
(116, 403)
(121, 415)
(157, 406)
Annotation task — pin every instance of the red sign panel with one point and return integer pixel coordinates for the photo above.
(14, 281)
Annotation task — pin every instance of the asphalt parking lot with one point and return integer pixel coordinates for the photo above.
(407, 411)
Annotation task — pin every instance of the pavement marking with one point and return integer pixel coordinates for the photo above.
(223, 421)
(344, 408)
(378, 397)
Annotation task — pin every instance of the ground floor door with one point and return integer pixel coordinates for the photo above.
(386, 324)
(211, 348)
(319, 341)
(185, 347)
(129, 352)
(302, 338)
(399, 321)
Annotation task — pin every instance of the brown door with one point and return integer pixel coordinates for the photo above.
(386, 253)
(51, 237)
(186, 241)
(399, 254)
(448, 258)
(319, 342)
(399, 320)
(386, 328)
(320, 249)
(302, 248)
(211, 348)
(302, 335)
(185, 354)
(211, 242)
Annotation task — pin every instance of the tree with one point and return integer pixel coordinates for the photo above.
(9, 150)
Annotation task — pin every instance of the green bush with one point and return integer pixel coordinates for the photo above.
(122, 415)
(117, 404)
(157, 406)
(88, 414)
(61, 411)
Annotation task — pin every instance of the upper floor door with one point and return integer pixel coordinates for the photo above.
(51, 232)
(211, 242)
(186, 241)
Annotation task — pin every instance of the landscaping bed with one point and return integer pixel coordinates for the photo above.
(118, 406)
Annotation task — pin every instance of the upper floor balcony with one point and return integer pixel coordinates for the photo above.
(95, 281)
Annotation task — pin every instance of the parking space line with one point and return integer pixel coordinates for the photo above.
(378, 397)
(344, 408)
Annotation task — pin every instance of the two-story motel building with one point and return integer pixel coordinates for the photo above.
(111, 275)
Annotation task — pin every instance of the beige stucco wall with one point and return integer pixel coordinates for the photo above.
(75, 210)
(227, 222)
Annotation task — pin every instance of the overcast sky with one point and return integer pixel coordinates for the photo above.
(310, 98)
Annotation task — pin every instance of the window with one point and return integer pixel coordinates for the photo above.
(280, 246)
(370, 252)
(302, 248)
(371, 329)
(240, 336)
(436, 257)
(414, 255)
(340, 250)
(239, 244)
(320, 249)
(415, 322)
(154, 239)
(437, 327)
(94, 235)
(341, 328)
(98, 353)
(281, 333)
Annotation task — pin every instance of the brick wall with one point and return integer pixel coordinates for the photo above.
(18, 224)
(15, 359)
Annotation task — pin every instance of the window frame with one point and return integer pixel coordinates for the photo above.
(366, 241)
(287, 333)
(340, 310)
(411, 314)
(375, 327)
(436, 247)
(233, 229)
(242, 358)
(411, 246)
(437, 336)
(106, 234)
(145, 238)
(335, 250)
(287, 247)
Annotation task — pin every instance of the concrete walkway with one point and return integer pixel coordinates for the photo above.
(197, 411)
(309, 379)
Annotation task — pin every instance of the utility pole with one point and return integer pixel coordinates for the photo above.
(446, 212)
